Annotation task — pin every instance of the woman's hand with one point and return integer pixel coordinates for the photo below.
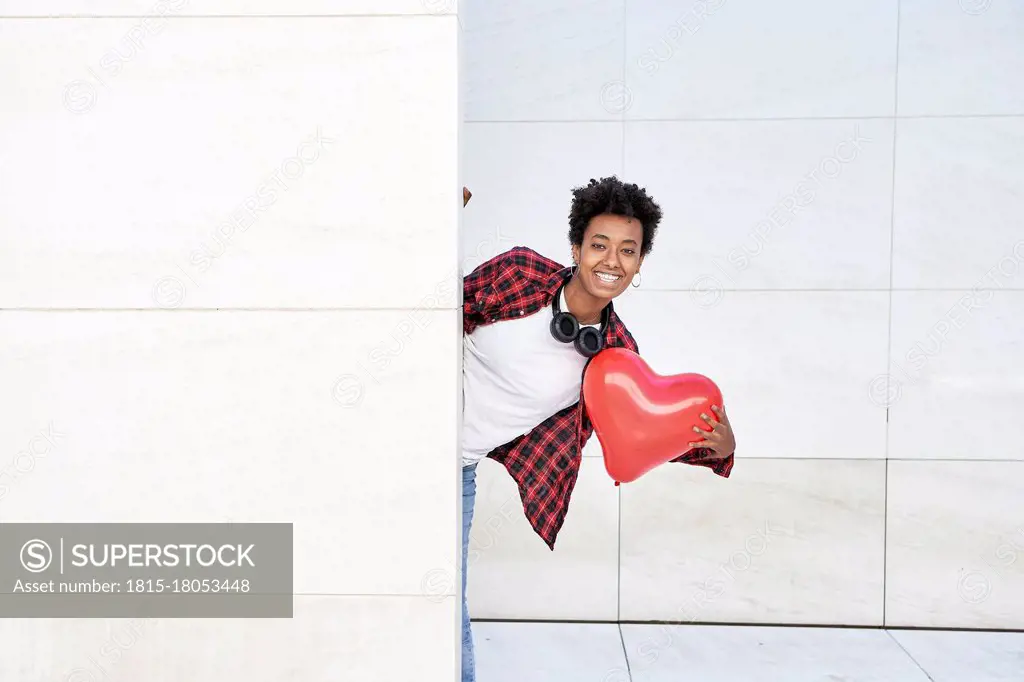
(719, 439)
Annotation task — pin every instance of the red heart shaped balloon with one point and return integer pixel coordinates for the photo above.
(643, 419)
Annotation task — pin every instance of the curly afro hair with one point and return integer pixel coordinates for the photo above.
(611, 195)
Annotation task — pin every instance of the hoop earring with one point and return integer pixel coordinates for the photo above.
(633, 283)
(574, 269)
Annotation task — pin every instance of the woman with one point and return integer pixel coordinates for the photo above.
(530, 326)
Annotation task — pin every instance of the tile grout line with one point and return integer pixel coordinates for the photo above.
(903, 649)
(625, 86)
(622, 169)
(752, 119)
(618, 562)
(701, 624)
(888, 341)
(625, 656)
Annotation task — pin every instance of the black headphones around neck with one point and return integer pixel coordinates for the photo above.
(566, 328)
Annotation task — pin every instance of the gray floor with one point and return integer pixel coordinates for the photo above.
(569, 652)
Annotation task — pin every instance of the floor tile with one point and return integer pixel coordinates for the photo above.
(949, 656)
(549, 652)
(707, 653)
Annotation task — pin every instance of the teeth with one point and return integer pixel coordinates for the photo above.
(608, 278)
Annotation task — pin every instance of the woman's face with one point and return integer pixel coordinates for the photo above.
(609, 255)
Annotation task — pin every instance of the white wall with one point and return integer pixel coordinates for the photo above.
(301, 366)
(836, 177)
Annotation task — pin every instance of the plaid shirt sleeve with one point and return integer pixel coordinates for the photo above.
(475, 286)
(702, 457)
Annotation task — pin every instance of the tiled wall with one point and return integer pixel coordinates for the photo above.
(166, 354)
(842, 251)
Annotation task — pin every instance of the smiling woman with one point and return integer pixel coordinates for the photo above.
(531, 327)
(611, 230)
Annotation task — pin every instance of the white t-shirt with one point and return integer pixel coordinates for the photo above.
(514, 376)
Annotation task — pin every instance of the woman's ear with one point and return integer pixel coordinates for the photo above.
(466, 194)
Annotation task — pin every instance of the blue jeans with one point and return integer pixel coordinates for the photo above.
(468, 501)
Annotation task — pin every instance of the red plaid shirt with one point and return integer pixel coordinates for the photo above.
(545, 462)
